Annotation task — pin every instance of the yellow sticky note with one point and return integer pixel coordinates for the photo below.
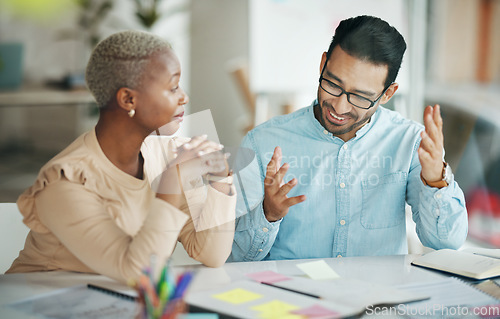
(318, 270)
(281, 316)
(274, 308)
(237, 296)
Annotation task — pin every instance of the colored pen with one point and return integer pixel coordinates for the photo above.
(182, 285)
(149, 290)
(162, 278)
(291, 290)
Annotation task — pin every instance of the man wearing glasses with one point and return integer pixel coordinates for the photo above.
(350, 165)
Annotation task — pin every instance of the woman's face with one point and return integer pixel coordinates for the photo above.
(160, 100)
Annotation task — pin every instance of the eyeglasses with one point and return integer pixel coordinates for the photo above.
(353, 98)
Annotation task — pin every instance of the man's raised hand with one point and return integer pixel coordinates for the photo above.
(276, 202)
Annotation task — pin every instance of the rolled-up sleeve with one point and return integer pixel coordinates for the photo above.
(440, 214)
(209, 236)
(254, 234)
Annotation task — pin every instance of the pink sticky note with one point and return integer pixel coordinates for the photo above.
(317, 312)
(267, 276)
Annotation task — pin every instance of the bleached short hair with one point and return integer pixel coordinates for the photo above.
(119, 61)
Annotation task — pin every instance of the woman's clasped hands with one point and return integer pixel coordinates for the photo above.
(188, 164)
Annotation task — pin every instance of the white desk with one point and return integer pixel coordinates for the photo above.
(387, 270)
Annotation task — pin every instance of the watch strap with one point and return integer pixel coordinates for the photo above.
(438, 184)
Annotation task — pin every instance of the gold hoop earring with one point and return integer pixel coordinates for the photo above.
(131, 113)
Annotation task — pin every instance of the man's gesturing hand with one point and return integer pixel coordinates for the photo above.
(276, 202)
(430, 152)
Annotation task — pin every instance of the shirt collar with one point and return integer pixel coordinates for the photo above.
(322, 133)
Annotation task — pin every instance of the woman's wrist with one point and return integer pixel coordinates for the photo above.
(227, 179)
(222, 184)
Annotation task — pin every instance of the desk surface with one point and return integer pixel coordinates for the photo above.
(386, 270)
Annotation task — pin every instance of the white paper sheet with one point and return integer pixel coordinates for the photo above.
(446, 297)
(76, 302)
(353, 293)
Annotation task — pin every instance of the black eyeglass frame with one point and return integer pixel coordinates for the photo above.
(348, 94)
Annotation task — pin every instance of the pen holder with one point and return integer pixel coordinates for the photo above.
(162, 299)
(170, 311)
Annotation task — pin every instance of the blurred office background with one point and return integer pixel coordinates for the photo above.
(246, 61)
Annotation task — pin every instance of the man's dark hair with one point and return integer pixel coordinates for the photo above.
(371, 39)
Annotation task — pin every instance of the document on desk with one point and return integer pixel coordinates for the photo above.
(354, 293)
(76, 302)
(342, 297)
(447, 293)
(249, 299)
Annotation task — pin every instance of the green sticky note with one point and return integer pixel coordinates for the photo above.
(318, 270)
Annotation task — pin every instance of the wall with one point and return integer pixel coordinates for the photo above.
(54, 46)
(270, 38)
(454, 33)
(219, 35)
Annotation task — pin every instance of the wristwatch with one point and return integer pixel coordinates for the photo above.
(445, 181)
(447, 174)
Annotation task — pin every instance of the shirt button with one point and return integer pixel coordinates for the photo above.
(342, 222)
(265, 229)
(438, 196)
(325, 132)
(342, 185)
(261, 250)
(339, 256)
(345, 146)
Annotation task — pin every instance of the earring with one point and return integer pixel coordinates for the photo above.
(131, 113)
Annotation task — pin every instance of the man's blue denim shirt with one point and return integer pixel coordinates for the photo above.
(356, 192)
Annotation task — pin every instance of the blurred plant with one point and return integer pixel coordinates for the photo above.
(92, 14)
(147, 12)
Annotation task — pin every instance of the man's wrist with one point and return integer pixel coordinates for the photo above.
(267, 216)
(445, 178)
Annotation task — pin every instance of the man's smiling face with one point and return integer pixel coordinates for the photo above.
(360, 77)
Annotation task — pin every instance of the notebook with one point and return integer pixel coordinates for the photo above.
(461, 263)
(488, 252)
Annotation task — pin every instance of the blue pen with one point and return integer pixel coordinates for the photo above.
(182, 285)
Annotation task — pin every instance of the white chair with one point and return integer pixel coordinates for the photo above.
(414, 244)
(13, 234)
